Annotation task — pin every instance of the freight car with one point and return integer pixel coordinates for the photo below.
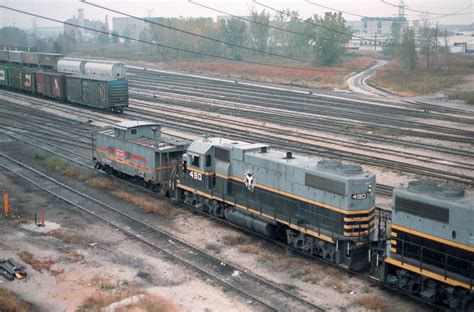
(431, 248)
(96, 92)
(32, 59)
(139, 149)
(100, 93)
(322, 208)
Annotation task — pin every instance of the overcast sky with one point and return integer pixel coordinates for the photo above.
(64, 9)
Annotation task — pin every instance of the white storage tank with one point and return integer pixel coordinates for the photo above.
(105, 69)
(71, 66)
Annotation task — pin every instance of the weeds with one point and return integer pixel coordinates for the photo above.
(100, 300)
(151, 303)
(372, 303)
(149, 204)
(35, 263)
(67, 238)
(467, 96)
(423, 81)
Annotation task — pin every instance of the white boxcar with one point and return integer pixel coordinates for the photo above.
(105, 69)
(71, 66)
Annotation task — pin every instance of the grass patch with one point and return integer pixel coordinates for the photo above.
(151, 303)
(233, 240)
(74, 255)
(62, 166)
(467, 96)
(149, 204)
(67, 238)
(100, 300)
(103, 182)
(37, 264)
(10, 302)
(372, 303)
(421, 81)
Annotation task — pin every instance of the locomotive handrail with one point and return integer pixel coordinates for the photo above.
(443, 264)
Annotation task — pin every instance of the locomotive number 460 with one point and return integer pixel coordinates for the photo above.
(195, 175)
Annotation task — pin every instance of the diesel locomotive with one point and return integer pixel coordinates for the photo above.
(321, 207)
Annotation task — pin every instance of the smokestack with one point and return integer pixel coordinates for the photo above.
(289, 155)
(80, 17)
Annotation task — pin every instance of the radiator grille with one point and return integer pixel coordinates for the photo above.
(423, 210)
(325, 184)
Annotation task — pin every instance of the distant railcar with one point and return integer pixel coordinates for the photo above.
(51, 84)
(71, 66)
(15, 56)
(22, 79)
(105, 69)
(3, 56)
(49, 59)
(96, 92)
(4, 77)
(31, 58)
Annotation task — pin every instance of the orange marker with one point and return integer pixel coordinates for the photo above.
(5, 204)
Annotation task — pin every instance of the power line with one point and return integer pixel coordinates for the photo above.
(342, 69)
(249, 20)
(330, 29)
(426, 12)
(373, 17)
(312, 37)
(195, 34)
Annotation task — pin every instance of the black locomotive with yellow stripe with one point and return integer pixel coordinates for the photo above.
(324, 208)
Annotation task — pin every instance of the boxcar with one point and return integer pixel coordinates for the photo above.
(51, 85)
(22, 79)
(14, 77)
(100, 93)
(3, 56)
(4, 75)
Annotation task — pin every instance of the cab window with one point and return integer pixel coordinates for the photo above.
(195, 161)
(208, 160)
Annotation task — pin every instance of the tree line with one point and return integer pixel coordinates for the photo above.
(320, 38)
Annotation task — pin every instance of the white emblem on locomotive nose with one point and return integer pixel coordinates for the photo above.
(250, 180)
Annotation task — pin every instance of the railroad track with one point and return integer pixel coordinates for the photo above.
(270, 98)
(255, 122)
(248, 285)
(194, 125)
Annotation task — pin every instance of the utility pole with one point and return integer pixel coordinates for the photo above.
(436, 45)
(447, 51)
(375, 42)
